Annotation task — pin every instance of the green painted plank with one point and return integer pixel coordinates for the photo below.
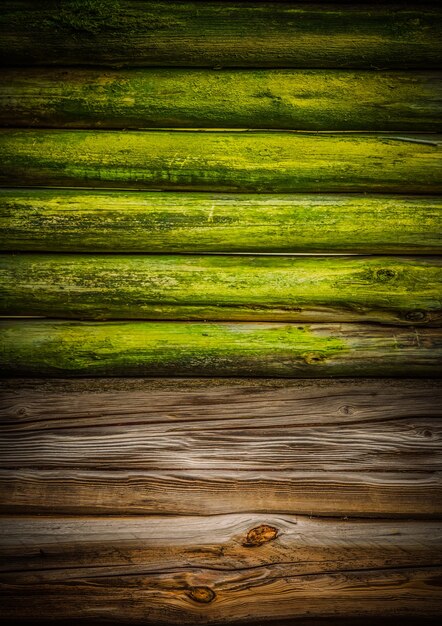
(285, 99)
(129, 221)
(212, 34)
(296, 289)
(222, 161)
(65, 349)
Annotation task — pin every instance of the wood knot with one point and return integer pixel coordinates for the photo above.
(415, 316)
(259, 535)
(385, 274)
(347, 409)
(203, 595)
(311, 359)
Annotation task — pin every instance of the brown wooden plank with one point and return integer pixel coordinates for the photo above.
(182, 569)
(133, 426)
(54, 549)
(213, 597)
(39, 405)
(189, 492)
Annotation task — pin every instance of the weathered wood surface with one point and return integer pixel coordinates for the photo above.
(129, 221)
(29, 405)
(182, 569)
(291, 99)
(333, 439)
(192, 492)
(55, 549)
(224, 597)
(54, 410)
(223, 161)
(213, 34)
(63, 348)
(396, 290)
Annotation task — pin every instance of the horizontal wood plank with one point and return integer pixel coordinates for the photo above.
(224, 597)
(30, 405)
(128, 221)
(222, 161)
(214, 34)
(65, 416)
(303, 289)
(62, 348)
(181, 569)
(55, 549)
(245, 443)
(290, 99)
(192, 492)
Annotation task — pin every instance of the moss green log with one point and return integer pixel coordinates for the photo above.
(64, 349)
(305, 289)
(55, 220)
(222, 161)
(195, 98)
(219, 34)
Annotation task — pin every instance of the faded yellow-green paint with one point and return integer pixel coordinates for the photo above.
(64, 349)
(213, 34)
(222, 161)
(129, 221)
(305, 289)
(290, 99)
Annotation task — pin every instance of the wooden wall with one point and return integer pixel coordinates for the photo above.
(221, 312)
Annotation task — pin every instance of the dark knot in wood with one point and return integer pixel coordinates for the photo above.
(415, 316)
(260, 534)
(204, 595)
(384, 275)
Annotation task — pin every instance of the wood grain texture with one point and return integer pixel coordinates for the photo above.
(214, 34)
(290, 99)
(55, 422)
(222, 161)
(339, 441)
(62, 348)
(415, 494)
(53, 549)
(182, 569)
(29, 405)
(177, 598)
(68, 220)
(383, 289)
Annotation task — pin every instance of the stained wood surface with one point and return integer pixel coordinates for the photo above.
(214, 567)
(62, 348)
(291, 99)
(129, 221)
(189, 492)
(377, 289)
(214, 34)
(53, 549)
(49, 427)
(174, 598)
(339, 441)
(222, 161)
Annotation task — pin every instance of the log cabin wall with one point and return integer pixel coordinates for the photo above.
(194, 429)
